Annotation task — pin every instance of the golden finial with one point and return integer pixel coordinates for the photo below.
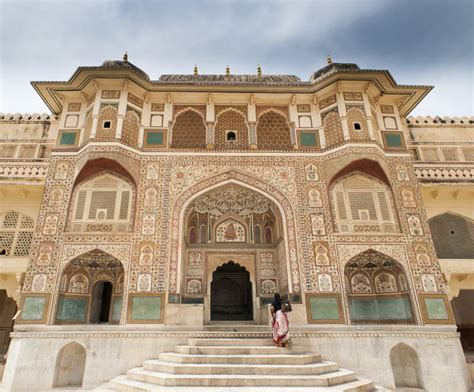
(195, 72)
(329, 59)
(125, 56)
(227, 71)
(259, 71)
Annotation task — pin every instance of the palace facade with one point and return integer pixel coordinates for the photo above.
(141, 213)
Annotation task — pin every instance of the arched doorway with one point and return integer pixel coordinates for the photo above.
(101, 302)
(91, 290)
(231, 293)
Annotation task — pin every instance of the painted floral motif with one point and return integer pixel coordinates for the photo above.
(317, 224)
(144, 282)
(324, 282)
(39, 283)
(314, 198)
(429, 283)
(268, 286)
(194, 286)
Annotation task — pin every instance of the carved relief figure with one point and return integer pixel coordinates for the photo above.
(79, 284)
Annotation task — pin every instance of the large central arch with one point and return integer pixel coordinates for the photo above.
(247, 182)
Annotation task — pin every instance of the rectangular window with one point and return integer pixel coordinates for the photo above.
(68, 138)
(308, 139)
(393, 140)
(155, 138)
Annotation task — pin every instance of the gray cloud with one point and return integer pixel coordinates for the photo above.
(419, 41)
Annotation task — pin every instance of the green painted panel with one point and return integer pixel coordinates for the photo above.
(308, 139)
(146, 308)
(33, 308)
(117, 309)
(394, 139)
(68, 138)
(324, 308)
(436, 309)
(380, 309)
(154, 138)
(72, 309)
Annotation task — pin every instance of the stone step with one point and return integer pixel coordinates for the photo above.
(121, 383)
(231, 342)
(218, 380)
(269, 369)
(237, 350)
(256, 359)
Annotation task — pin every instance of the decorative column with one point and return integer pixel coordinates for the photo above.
(210, 119)
(95, 113)
(341, 107)
(122, 110)
(293, 121)
(145, 120)
(252, 123)
(368, 116)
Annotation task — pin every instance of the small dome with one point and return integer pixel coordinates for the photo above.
(121, 64)
(332, 68)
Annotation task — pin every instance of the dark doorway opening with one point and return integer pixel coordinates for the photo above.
(101, 300)
(231, 293)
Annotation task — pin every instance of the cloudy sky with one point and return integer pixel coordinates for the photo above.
(419, 41)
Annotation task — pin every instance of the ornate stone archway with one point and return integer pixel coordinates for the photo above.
(246, 181)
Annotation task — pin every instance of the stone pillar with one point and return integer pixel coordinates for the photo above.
(252, 135)
(210, 119)
(210, 135)
(341, 107)
(122, 110)
(82, 121)
(368, 117)
(145, 122)
(95, 114)
(294, 141)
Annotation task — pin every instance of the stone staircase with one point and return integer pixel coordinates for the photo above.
(237, 365)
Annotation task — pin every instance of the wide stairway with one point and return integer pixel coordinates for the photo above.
(237, 365)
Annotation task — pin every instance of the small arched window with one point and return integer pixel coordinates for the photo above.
(231, 136)
(16, 234)
(105, 198)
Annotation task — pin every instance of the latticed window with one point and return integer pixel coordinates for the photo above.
(104, 199)
(16, 234)
(363, 204)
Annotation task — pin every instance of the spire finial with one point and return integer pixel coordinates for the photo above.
(125, 56)
(329, 59)
(195, 72)
(259, 71)
(227, 71)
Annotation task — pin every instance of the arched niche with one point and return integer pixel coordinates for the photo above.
(377, 290)
(406, 367)
(362, 203)
(104, 201)
(189, 130)
(70, 364)
(91, 290)
(453, 236)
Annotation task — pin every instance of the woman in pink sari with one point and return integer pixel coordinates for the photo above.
(280, 324)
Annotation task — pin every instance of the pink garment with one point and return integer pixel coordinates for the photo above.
(280, 326)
